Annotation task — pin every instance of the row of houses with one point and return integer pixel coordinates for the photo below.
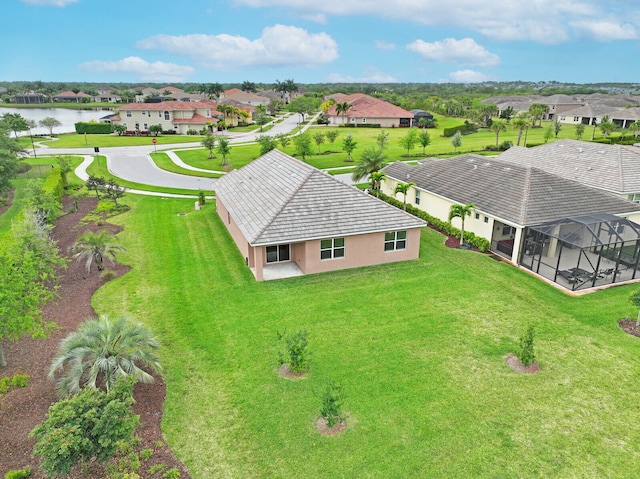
(574, 109)
(573, 225)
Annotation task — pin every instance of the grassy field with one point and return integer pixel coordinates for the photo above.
(73, 140)
(163, 161)
(418, 347)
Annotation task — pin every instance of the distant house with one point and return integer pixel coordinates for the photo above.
(287, 218)
(533, 218)
(417, 114)
(246, 98)
(107, 97)
(29, 98)
(364, 109)
(177, 116)
(71, 96)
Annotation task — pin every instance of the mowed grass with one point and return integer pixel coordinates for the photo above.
(418, 347)
(74, 140)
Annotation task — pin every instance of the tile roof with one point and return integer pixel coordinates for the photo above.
(197, 119)
(590, 110)
(521, 195)
(242, 96)
(70, 94)
(171, 105)
(366, 106)
(278, 199)
(614, 168)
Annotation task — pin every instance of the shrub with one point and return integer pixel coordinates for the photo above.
(295, 355)
(93, 128)
(5, 385)
(18, 473)
(157, 468)
(192, 132)
(464, 129)
(108, 275)
(171, 474)
(201, 198)
(146, 454)
(527, 355)
(20, 380)
(332, 404)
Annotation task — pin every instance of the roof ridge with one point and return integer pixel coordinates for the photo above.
(525, 196)
(284, 204)
(621, 176)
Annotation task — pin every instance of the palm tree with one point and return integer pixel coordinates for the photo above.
(404, 189)
(497, 127)
(519, 123)
(342, 109)
(96, 247)
(101, 351)
(460, 211)
(224, 148)
(376, 181)
(372, 160)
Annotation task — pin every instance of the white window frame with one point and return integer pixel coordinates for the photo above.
(417, 200)
(332, 248)
(128, 113)
(395, 240)
(279, 250)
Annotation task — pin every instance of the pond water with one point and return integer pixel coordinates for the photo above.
(66, 116)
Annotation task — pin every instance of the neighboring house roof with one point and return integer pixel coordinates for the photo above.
(70, 94)
(170, 105)
(614, 168)
(365, 106)
(197, 119)
(560, 99)
(590, 110)
(244, 96)
(626, 114)
(272, 95)
(232, 91)
(520, 195)
(278, 199)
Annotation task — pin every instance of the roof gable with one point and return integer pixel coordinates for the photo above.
(278, 199)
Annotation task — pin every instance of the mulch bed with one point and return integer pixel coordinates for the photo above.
(629, 326)
(286, 372)
(325, 430)
(514, 363)
(23, 408)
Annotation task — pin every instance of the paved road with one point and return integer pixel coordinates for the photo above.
(133, 163)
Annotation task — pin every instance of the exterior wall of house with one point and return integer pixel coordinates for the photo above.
(129, 118)
(241, 242)
(352, 120)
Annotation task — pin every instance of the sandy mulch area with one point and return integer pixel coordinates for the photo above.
(514, 363)
(23, 408)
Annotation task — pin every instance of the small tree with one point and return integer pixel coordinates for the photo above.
(201, 197)
(50, 123)
(404, 189)
(96, 183)
(424, 139)
(303, 145)
(267, 143)
(548, 133)
(635, 300)
(88, 426)
(95, 247)
(372, 160)
(155, 130)
(331, 408)
(460, 211)
(65, 169)
(456, 140)
(113, 190)
(376, 181)
(319, 137)
(209, 142)
(296, 354)
(526, 354)
(409, 140)
(498, 126)
(382, 139)
(224, 149)
(284, 140)
(348, 145)
(580, 131)
(332, 135)
(557, 127)
(119, 128)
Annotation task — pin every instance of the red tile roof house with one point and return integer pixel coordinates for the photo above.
(287, 218)
(365, 109)
(178, 116)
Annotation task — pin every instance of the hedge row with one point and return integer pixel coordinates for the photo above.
(443, 226)
(93, 128)
(464, 129)
(360, 125)
(54, 184)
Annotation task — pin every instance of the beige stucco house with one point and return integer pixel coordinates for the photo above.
(367, 110)
(284, 214)
(532, 218)
(178, 116)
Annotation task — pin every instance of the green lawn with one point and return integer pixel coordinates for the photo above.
(163, 161)
(73, 140)
(418, 347)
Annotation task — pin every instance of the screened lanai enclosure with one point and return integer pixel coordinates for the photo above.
(583, 252)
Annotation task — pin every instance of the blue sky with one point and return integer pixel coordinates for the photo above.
(229, 41)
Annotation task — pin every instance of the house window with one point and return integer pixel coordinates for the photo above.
(166, 115)
(175, 127)
(278, 253)
(562, 117)
(477, 216)
(159, 114)
(576, 119)
(143, 113)
(146, 127)
(635, 197)
(353, 120)
(486, 219)
(129, 113)
(364, 120)
(417, 197)
(332, 248)
(395, 240)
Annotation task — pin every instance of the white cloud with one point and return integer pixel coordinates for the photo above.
(371, 75)
(278, 46)
(605, 31)
(382, 45)
(450, 50)
(544, 21)
(52, 3)
(467, 76)
(143, 70)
